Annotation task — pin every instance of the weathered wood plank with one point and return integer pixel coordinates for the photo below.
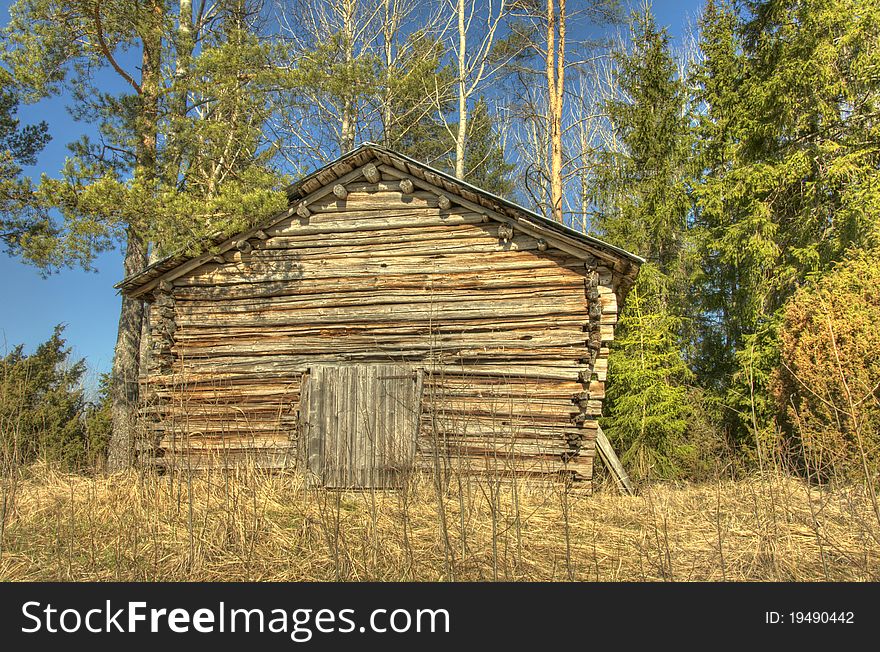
(363, 422)
(606, 451)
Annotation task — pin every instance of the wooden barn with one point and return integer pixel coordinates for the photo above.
(393, 318)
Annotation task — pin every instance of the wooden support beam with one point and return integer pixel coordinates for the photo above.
(303, 211)
(609, 457)
(262, 235)
(406, 186)
(505, 232)
(243, 246)
(444, 203)
(542, 244)
(340, 191)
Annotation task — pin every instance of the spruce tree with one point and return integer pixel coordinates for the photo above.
(788, 177)
(642, 205)
(721, 296)
(486, 165)
(647, 396)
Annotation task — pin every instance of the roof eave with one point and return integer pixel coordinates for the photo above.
(155, 271)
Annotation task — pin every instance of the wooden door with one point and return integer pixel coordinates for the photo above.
(359, 423)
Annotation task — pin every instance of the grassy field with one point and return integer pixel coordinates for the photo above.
(253, 526)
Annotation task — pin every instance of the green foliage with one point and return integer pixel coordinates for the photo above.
(647, 396)
(217, 172)
(642, 205)
(486, 166)
(50, 47)
(640, 189)
(720, 286)
(20, 217)
(787, 177)
(333, 76)
(182, 153)
(387, 85)
(827, 387)
(42, 407)
(98, 423)
(409, 94)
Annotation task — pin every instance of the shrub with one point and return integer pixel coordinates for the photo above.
(827, 388)
(42, 407)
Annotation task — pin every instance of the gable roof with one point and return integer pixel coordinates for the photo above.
(349, 167)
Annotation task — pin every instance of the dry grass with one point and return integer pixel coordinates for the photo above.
(252, 526)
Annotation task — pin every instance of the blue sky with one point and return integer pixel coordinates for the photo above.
(86, 301)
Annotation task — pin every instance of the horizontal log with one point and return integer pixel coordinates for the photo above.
(444, 265)
(433, 281)
(438, 300)
(393, 314)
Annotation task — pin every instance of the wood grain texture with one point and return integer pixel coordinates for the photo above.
(359, 424)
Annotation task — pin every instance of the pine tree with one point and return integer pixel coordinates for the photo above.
(22, 223)
(177, 156)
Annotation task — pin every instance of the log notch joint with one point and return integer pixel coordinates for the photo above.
(371, 173)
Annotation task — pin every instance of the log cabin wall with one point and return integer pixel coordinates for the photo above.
(511, 334)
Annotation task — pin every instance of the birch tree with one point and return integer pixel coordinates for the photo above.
(414, 80)
(474, 61)
(360, 70)
(555, 58)
(540, 94)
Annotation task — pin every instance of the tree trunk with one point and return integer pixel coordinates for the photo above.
(461, 136)
(184, 52)
(388, 32)
(348, 118)
(126, 368)
(555, 91)
(126, 357)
